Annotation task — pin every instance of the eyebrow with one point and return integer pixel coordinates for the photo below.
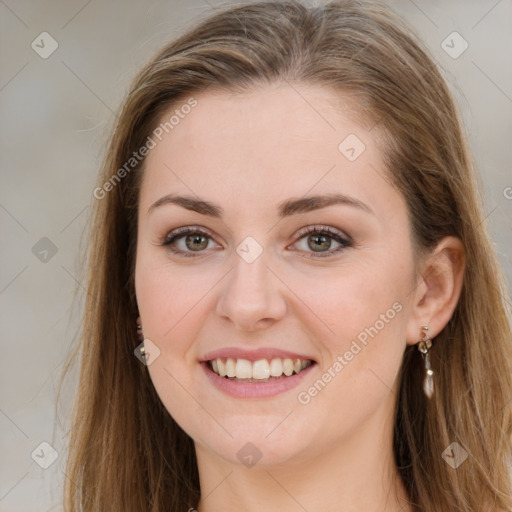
(285, 209)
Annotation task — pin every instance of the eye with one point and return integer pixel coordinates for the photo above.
(318, 241)
(187, 241)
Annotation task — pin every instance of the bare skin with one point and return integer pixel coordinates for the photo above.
(248, 153)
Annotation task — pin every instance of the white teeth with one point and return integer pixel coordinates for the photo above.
(261, 369)
(230, 367)
(288, 367)
(243, 369)
(222, 367)
(276, 368)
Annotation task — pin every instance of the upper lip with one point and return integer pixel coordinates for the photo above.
(254, 355)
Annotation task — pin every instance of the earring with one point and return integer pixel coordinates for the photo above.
(424, 346)
(141, 339)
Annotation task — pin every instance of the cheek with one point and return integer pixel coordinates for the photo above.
(346, 300)
(169, 299)
(364, 306)
(170, 304)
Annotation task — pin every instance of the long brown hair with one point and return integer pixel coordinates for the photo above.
(125, 451)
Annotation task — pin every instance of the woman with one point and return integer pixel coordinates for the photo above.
(292, 303)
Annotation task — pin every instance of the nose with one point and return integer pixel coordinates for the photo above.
(253, 297)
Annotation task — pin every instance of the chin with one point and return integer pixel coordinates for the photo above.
(257, 442)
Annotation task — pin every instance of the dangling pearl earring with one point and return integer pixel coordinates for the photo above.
(424, 346)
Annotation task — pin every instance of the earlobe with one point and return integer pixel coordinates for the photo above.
(438, 291)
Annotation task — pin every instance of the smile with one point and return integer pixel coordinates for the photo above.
(262, 370)
(258, 378)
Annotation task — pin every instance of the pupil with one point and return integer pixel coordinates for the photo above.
(320, 241)
(197, 239)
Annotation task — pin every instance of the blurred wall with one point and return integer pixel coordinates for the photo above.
(65, 65)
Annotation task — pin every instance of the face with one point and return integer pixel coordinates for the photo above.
(289, 253)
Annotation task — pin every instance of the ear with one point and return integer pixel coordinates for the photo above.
(438, 289)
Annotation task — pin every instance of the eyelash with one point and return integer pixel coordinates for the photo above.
(320, 230)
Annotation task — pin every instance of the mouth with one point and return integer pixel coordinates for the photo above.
(259, 371)
(260, 376)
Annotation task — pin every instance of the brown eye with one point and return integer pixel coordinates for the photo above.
(318, 241)
(187, 241)
(196, 242)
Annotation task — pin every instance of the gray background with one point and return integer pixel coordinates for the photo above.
(55, 115)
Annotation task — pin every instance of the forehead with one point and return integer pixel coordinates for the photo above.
(264, 145)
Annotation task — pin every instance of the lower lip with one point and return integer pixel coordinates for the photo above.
(255, 389)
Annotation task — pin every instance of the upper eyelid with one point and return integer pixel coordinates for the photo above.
(186, 230)
(323, 229)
